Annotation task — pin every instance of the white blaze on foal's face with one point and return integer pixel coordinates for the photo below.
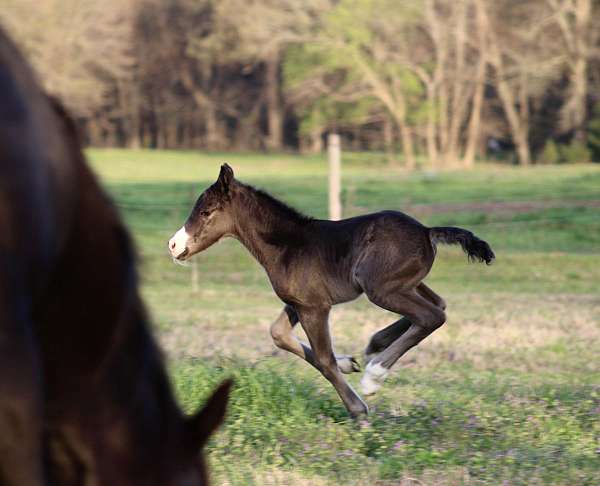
(179, 242)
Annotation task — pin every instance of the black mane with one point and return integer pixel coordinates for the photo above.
(279, 207)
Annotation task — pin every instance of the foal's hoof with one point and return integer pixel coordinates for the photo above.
(358, 413)
(374, 376)
(358, 409)
(347, 364)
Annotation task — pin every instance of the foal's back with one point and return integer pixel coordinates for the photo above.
(396, 239)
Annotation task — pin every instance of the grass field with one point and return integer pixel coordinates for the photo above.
(507, 392)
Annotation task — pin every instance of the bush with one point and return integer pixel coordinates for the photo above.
(550, 154)
(554, 153)
(575, 152)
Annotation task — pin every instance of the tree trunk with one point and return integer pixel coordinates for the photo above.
(431, 135)
(389, 141)
(576, 22)
(211, 126)
(314, 141)
(407, 144)
(94, 132)
(458, 101)
(518, 128)
(274, 112)
(576, 104)
(475, 119)
(134, 136)
(437, 142)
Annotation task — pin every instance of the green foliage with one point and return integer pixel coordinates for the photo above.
(349, 21)
(575, 152)
(321, 110)
(550, 154)
(340, 56)
(554, 153)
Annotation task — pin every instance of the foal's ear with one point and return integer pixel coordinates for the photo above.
(204, 422)
(225, 177)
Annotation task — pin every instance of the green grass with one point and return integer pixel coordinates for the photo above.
(508, 391)
(490, 426)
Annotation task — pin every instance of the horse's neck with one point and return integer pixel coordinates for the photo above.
(263, 228)
(145, 387)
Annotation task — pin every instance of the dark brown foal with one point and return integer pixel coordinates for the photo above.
(315, 264)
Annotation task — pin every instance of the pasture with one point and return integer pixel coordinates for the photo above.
(506, 392)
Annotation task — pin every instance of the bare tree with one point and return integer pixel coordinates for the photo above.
(521, 62)
(81, 47)
(452, 70)
(233, 74)
(261, 43)
(579, 36)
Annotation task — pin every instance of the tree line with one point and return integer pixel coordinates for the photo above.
(444, 81)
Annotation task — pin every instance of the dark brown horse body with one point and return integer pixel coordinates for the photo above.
(84, 396)
(315, 264)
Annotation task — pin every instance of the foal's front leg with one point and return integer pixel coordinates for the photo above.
(314, 321)
(283, 337)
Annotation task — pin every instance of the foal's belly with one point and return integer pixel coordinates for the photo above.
(345, 293)
(314, 289)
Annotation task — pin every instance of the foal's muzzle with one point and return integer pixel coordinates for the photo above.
(178, 244)
(182, 255)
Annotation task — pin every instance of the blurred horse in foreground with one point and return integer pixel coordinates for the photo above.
(84, 395)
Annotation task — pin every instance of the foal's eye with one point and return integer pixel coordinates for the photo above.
(204, 213)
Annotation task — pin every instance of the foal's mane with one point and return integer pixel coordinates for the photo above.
(279, 208)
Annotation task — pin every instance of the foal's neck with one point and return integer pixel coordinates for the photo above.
(266, 226)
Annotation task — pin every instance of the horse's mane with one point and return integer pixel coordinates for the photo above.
(133, 344)
(284, 224)
(278, 207)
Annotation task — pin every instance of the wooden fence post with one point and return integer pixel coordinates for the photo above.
(334, 153)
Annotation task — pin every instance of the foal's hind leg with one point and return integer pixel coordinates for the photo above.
(382, 339)
(425, 317)
(283, 337)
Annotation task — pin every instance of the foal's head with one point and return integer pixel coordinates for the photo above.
(209, 221)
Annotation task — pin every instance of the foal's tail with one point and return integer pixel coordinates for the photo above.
(474, 247)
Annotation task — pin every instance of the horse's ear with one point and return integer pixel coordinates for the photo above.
(225, 177)
(203, 423)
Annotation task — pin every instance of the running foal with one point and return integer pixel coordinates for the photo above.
(314, 264)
